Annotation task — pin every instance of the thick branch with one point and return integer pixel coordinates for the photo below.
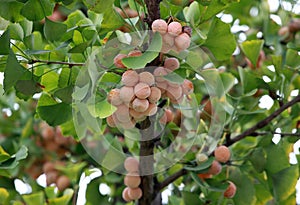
(153, 11)
(56, 62)
(263, 122)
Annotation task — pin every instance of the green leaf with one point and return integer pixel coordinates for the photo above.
(245, 194)
(111, 21)
(277, 159)
(35, 198)
(151, 53)
(28, 87)
(291, 56)
(5, 43)
(258, 159)
(3, 155)
(13, 71)
(192, 13)
(93, 195)
(174, 78)
(16, 31)
(27, 27)
(284, 183)
(99, 6)
(214, 7)
(4, 194)
(50, 192)
(191, 198)
(14, 159)
(55, 114)
(228, 81)
(65, 94)
(63, 200)
(220, 40)
(10, 10)
(35, 10)
(202, 167)
(252, 49)
(102, 109)
(80, 48)
(54, 30)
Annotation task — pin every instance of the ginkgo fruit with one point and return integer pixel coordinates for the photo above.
(125, 195)
(182, 41)
(118, 60)
(222, 154)
(62, 182)
(215, 168)
(131, 165)
(126, 94)
(140, 105)
(132, 181)
(160, 26)
(187, 87)
(230, 191)
(142, 91)
(130, 78)
(135, 193)
(155, 95)
(174, 28)
(113, 97)
(147, 77)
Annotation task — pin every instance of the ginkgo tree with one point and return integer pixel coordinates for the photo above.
(196, 98)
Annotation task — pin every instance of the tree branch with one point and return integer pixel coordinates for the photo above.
(56, 62)
(153, 11)
(263, 122)
(282, 134)
(170, 179)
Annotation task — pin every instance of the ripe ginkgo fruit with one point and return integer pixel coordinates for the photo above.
(182, 41)
(174, 28)
(113, 97)
(155, 95)
(142, 91)
(126, 94)
(147, 77)
(135, 193)
(171, 64)
(215, 168)
(62, 182)
(130, 78)
(131, 165)
(160, 26)
(222, 154)
(187, 87)
(230, 191)
(140, 105)
(135, 53)
(132, 181)
(118, 60)
(125, 195)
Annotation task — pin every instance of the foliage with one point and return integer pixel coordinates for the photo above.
(57, 59)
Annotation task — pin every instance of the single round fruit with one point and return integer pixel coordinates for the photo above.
(122, 113)
(201, 157)
(147, 77)
(158, 73)
(118, 60)
(113, 97)
(174, 92)
(140, 105)
(215, 168)
(136, 115)
(182, 41)
(126, 94)
(160, 26)
(125, 195)
(174, 28)
(169, 115)
(163, 119)
(168, 40)
(283, 31)
(142, 90)
(51, 177)
(155, 95)
(62, 182)
(48, 167)
(230, 191)
(130, 78)
(204, 176)
(47, 133)
(187, 87)
(222, 154)
(162, 86)
(132, 181)
(134, 53)
(110, 121)
(171, 64)
(128, 125)
(131, 165)
(294, 25)
(135, 193)
(152, 109)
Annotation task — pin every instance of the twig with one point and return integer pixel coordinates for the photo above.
(264, 122)
(170, 179)
(282, 134)
(55, 62)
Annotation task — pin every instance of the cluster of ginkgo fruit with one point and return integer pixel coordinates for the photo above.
(53, 175)
(132, 180)
(174, 36)
(222, 155)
